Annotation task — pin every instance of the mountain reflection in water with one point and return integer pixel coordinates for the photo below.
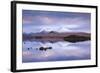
(56, 51)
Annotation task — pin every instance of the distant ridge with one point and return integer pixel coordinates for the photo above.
(53, 36)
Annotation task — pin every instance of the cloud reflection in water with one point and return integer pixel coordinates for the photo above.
(60, 51)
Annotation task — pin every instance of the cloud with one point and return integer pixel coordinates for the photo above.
(27, 20)
(60, 23)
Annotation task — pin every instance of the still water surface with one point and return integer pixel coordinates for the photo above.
(60, 51)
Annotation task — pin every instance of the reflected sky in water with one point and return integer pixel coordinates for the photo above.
(60, 51)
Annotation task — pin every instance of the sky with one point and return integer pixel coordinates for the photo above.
(38, 21)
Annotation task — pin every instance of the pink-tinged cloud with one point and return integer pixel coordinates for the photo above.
(27, 20)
